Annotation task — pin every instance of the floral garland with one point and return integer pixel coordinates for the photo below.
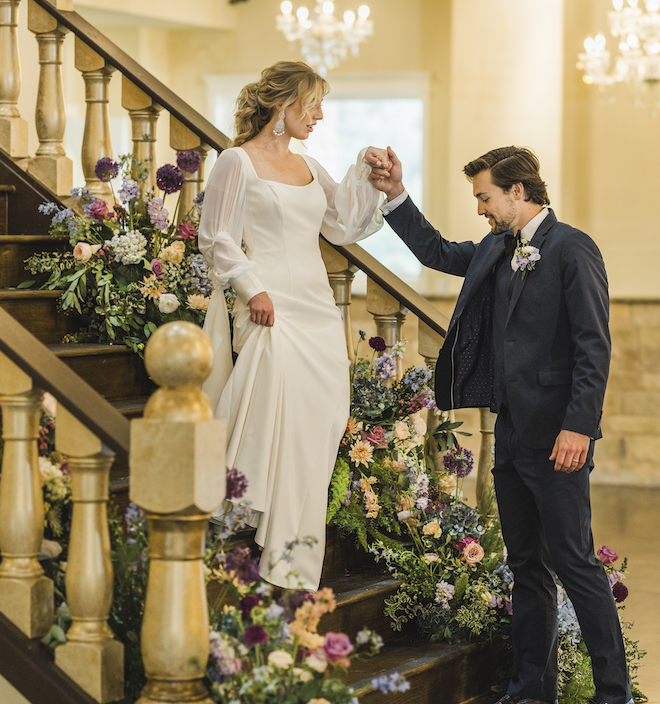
(131, 268)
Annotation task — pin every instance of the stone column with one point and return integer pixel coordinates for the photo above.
(50, 165)
(26, 595)
(178, 477)
(96, 136)
(486, 458)
(181, 139)
(13, 128)
(91, 656)
(144, 113)
(389, 315)
(340, 276)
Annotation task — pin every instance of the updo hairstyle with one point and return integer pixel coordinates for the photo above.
(280, 84)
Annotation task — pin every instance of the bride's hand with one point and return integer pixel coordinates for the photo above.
(261, 309)
(378, 157)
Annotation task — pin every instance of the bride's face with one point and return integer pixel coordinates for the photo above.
(300, 125)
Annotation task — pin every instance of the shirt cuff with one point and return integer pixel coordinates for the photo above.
(246, 286)
(388, 206)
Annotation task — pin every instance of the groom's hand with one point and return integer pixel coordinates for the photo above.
(389, 180)
(570, 451)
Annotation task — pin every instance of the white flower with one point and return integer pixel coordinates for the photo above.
(419, 424)
(167, 303)
(403, 515)
(300, 675)
(129, 248)
(316, 660)
(281, 659)
(401, 430)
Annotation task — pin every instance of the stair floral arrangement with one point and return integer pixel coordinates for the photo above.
(131, 268)
(409, 513)
(264, 642)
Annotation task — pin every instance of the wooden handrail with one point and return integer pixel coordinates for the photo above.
(144, 80)
(51, 374)
(413, 301)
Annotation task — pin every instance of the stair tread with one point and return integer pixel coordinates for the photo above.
(7, 189)
(407, 655)
(87, 349)
(23, 239)
(352, 589)
(7, 294)
(126, 405)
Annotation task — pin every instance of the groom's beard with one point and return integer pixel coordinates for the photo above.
(501, 226)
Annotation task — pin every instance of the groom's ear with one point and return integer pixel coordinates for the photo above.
(518, 191)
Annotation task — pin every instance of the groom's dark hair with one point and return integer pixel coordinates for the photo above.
(510, 165)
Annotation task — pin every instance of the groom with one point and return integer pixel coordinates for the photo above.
(529, 337)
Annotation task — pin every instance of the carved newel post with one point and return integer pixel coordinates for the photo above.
(26, 595)
(340, 276)
(91, 656)
(178, 478)
(389, 316)
(486, 457)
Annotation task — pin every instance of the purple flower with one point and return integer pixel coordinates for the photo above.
(336, 647)
(247, 604)
(377, 343)
(391, 683)
(188, 160)
(157, 268)
(129, 190)
(347, 498)
(157, 214)
(607, 555)
(255, 635)
(458, 461)
(244, 566)
(186, 231)
(620, 592)
(106, 169)
(236, 484)
(97, 210)
(460, 545)
(169, 179)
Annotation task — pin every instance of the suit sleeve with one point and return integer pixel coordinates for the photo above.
(587, 303)
(427, 244)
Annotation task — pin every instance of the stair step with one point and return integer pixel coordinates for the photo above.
(113, 370)
(15, 249)
(38, 312)
(361, 603)
(438, 673)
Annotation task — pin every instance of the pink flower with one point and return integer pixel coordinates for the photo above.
(157, 268)
(336, 647)
(375, 437)
(98, 210)
(83, 251)
(509, 605)
(473, 553)
(186, 231)
(464, 542)
(607, 555)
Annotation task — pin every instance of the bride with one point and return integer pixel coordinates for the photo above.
(286, 400)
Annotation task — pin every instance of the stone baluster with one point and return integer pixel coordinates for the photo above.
(340, 275)
(91, 656)
(13, 128)
(486, 458)
(144, 113)
(96, 144)
(50, 165)
(26, 595)
(181, 139)
(178, 478)
(429, 343)
(389, 316)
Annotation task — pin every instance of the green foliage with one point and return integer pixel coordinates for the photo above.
(338, 487)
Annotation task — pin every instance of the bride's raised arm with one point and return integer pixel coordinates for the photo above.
(353, 211)
(221, 227)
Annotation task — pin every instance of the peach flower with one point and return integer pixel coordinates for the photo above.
(473, 553)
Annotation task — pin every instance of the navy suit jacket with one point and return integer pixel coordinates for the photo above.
(556, 342)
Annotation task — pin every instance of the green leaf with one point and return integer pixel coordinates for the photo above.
(338, 488)
(26, 284)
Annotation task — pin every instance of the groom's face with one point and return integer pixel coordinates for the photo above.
(497, 206)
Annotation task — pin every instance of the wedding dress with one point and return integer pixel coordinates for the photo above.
(286, 401)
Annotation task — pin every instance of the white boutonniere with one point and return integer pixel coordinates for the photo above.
(524, 257)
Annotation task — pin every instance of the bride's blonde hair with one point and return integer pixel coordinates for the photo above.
(280, 84)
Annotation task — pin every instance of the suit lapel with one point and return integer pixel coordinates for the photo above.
(537, 241)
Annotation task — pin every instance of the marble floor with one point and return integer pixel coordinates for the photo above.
(627, 519)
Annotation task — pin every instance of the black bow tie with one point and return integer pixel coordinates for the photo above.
(511, 241)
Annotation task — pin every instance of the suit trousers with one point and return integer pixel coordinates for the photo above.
(546, 524)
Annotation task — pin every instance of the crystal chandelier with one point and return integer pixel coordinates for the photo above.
(325, 40)
(638, 61)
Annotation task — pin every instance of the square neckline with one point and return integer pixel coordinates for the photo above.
(282, 183)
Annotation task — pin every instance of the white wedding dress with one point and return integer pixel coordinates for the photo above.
(286, 401)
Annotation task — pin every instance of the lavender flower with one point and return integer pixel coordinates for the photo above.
(241, 562)
(458, 461)
(391, 683)
(157, 214)
(385, 367)
(169, 179)
(444, 593)
(188, 160)
(236, 484)
(129, 190)
(199, 201)
(106, 169)
(48, 208)
(82, 194)
(61, 216)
